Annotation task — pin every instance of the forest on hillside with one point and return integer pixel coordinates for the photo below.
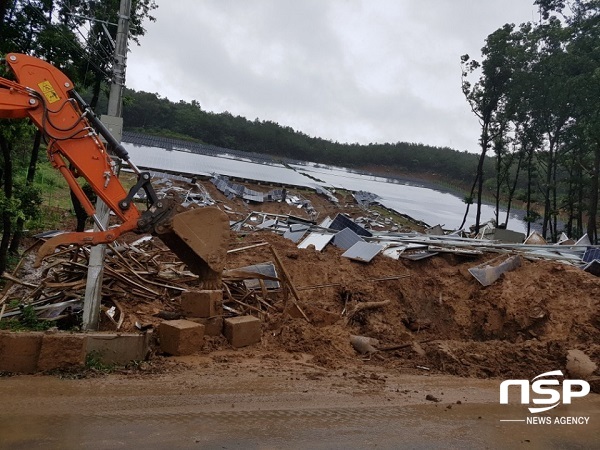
(150, 113)
(534, 91)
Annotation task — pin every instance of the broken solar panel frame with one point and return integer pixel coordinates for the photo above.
(593, 267)
(418, 255)
(267, 268)
(363, 251)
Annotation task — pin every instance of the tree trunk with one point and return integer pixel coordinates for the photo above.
(35, 152)
(547, 191)
(6, 214)
(80, 212)
(484, 147)
(3, 9)
(470, 198)
(499, 181)
(580, 201)
(529, 187)
(554, 213)
(96, 91)
(593, 204)
(513, 188)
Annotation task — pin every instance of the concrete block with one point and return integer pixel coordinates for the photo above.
(213, 326)
(181, 337)
(19, 352)
(118, 348)
(202, 303)
(242, 331)
(61, 351)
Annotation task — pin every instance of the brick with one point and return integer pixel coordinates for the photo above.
(118, 348)
(19, 352)
(213, 326)
(242, 331)
(61, 351)
(202, 303)
(181, 337)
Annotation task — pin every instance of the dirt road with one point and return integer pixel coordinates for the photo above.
(273, 401)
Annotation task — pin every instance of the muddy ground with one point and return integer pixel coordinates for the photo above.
(444, 321)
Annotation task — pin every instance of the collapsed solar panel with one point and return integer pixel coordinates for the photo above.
(267, 268)
(363, 251)
(346, 238)
(316, 240)
(340, 222)
(593, 267)
(365, 198)
(295, 236)
(591, 254)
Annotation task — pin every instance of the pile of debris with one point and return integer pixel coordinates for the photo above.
(363, 243)
(341, 289)
(142, 285)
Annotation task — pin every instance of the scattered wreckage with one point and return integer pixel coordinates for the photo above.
(145, 270)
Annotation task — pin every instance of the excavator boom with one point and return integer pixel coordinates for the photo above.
(46, 96)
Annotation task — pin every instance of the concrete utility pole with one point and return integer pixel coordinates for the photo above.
(114, 122)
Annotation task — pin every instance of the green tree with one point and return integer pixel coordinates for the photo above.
(487, 97)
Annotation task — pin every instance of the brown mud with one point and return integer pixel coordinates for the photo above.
(520, 326)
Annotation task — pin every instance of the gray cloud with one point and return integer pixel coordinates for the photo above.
(346, 70)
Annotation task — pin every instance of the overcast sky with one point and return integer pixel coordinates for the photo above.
(345, 70)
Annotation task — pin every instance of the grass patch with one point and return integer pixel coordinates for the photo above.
(93, 361)
(28, 321)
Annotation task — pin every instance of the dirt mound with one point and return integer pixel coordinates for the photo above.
(522, 325)
(430, 314)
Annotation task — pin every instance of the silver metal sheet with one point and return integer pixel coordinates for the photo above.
(585, 240)
(394, 252)
(326, 222)
(267, 224)
(298, 227)
(455, 250)
(418, 255)
(490, 271)
(363, 251)
(317, 240)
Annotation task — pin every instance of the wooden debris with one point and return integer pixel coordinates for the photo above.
(141, 272)
(9, 277)
(288, 282)
(365, 306)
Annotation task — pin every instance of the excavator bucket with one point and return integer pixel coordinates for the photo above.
(199, 238)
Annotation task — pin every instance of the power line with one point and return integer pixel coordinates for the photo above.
(67, 39)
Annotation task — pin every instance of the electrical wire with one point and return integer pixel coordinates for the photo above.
(65, 38)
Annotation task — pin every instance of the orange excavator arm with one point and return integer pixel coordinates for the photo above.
(46, 96)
